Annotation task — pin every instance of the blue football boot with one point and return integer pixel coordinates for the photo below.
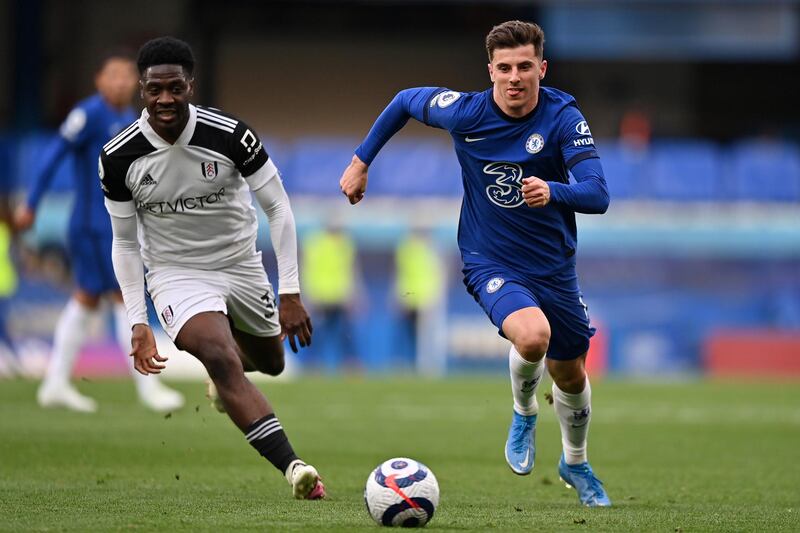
(581, 478)
(520, 446)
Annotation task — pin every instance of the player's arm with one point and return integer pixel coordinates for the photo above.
(406, 104)
(264, 180)
(590, 193)
(128, 268)
(72, 133)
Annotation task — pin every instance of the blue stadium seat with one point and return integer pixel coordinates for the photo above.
(419, 168)
(686, 170)
(626, 170)
(313, 165)
(763, 170)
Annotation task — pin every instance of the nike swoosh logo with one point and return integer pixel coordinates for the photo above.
(474, 139)
(524, 464)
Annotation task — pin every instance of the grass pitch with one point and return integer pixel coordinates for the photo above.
(674, 457)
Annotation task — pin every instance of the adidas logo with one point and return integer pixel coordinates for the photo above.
(148, 180)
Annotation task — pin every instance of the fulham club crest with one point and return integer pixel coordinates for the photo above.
(168, 315)
(209, 169)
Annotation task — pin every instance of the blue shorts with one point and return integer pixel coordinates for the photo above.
(500, 292)
(90, 255)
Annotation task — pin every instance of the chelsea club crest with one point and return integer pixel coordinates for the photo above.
(494, 284)
(534, 144)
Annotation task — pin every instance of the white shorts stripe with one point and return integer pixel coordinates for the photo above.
(214, 124)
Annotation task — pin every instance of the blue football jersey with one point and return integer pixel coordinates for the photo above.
(84, 132)
(496, 152)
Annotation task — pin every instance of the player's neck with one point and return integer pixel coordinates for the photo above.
(169, 134)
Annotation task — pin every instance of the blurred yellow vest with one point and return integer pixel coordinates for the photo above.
(328, 263)
(419, 273)
(8, 276)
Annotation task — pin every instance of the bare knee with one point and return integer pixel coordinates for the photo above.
(532, 344)
(221, 361)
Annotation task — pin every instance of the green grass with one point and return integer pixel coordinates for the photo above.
(674, 457)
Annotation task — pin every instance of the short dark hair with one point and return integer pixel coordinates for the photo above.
(515, 33)
(165, 51)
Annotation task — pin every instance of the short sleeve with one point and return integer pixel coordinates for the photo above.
(112, 175)
(575, 137)
(247, 152)
(443, 108)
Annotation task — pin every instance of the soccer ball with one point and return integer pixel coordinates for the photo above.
(401, 492)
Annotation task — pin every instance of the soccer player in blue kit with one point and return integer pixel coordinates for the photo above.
(516, 143)
(86, 129)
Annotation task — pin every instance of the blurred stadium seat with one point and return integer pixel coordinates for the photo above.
(764, 171)
(626, 169)
(686, 170)
(416, 169)
(313, 165)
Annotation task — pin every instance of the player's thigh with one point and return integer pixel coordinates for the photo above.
(501, 296)
(571, 330)
(179, 294)
(207, 336)
(527, 328)
(92, 267)
(251, 299)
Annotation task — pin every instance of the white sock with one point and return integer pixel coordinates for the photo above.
(69, 337)
(574, 411)
(525, 378)
(122, 329)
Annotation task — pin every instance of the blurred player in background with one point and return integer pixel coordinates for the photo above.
(516, 143)
(185, 175)
(9, 362)
(89, 125)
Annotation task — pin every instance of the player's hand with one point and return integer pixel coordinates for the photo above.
(146, 359)
(24, 217)
(294, 320)
(535, 192)
(354, 180)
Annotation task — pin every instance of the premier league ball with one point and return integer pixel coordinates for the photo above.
(401, 492)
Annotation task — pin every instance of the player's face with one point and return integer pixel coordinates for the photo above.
(116, 82)
(166, 91)
(516, 73)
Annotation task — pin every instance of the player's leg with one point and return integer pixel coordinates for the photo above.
(513, 308)
(68, 338)
(529, 333)
(152, 393)
(208, 337)
(572, 394)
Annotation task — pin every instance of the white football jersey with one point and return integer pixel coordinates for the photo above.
(192, 202)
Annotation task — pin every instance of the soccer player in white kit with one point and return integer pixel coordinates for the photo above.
(178, 184)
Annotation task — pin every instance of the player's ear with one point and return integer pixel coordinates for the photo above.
(543, 70)
(141, 89)
(190, 91)
(491, 72)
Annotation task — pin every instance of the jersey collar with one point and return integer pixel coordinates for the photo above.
(156, 140)
(500, 113)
